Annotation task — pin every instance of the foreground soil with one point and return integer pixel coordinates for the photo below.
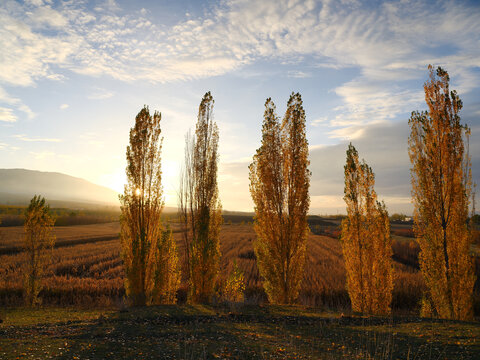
(228, 332)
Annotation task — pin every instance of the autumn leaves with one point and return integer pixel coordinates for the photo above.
(442, 195)
(366, 241)
(38, 244)
(200, 209)
(279, 186)
(148, 249)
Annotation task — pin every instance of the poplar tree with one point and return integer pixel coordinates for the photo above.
(279, 185)
(38, 245)
(442, 192)
(148, 250)
(199, 205)
(366, 241)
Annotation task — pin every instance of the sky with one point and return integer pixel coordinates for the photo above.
(74, 74)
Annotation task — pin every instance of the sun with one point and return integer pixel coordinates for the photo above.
(118, 181)
(170, 180)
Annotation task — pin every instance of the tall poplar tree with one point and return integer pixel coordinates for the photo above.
(279, 185)
(366, 241)
(38, 245)
(442, 192)
(199, 205)
(148, 250)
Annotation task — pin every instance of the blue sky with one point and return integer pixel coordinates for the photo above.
(74, 74)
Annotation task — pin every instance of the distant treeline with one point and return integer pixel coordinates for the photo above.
(312, 220)
(14, 216)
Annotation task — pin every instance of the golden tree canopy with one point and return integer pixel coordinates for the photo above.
(366, 241)
(442, 192)
(149, 252)
(279, 185)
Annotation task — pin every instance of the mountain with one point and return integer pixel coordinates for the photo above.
(18, 186)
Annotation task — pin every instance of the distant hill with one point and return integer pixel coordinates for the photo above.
(18, 186)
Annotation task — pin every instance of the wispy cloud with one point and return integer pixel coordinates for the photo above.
(17, 103)
(41, 155)
(92, 138)
(100, 94)
(298, 74)
(45, 15)
(318, 121)
(383, 42)
(28, 54)
(368, 102)
(4, 146)
(23, 137)
(388, 45)
(348, 132)
(7, 115)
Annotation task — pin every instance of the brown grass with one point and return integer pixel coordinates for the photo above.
(13, 236)
(83, 274)
(92, 274)
(405, 232)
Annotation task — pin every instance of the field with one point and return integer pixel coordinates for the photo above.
(86, 268)
(84, 313)
(11, 237)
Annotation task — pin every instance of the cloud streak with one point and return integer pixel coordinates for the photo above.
(7, 115)
(25, 138)
(17, 103)
(100, 94)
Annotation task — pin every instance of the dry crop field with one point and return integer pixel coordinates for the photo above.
(11, 237)
(86, 268)
(85, 287)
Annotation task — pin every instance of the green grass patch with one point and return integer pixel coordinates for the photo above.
(23, 316)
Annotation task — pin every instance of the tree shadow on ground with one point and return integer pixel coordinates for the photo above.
(197, 332)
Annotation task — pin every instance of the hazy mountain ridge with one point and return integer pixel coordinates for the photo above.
(18, 186)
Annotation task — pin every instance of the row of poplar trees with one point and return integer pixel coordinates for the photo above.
(442, 192)
(279, 185)
(149, 252)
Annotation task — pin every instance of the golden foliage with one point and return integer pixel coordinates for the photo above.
(38, 245)
(148, 252)
(441, 190)
(366, 241)
(167, 275)
(234, 285)
(279, 183)
(199, 205)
